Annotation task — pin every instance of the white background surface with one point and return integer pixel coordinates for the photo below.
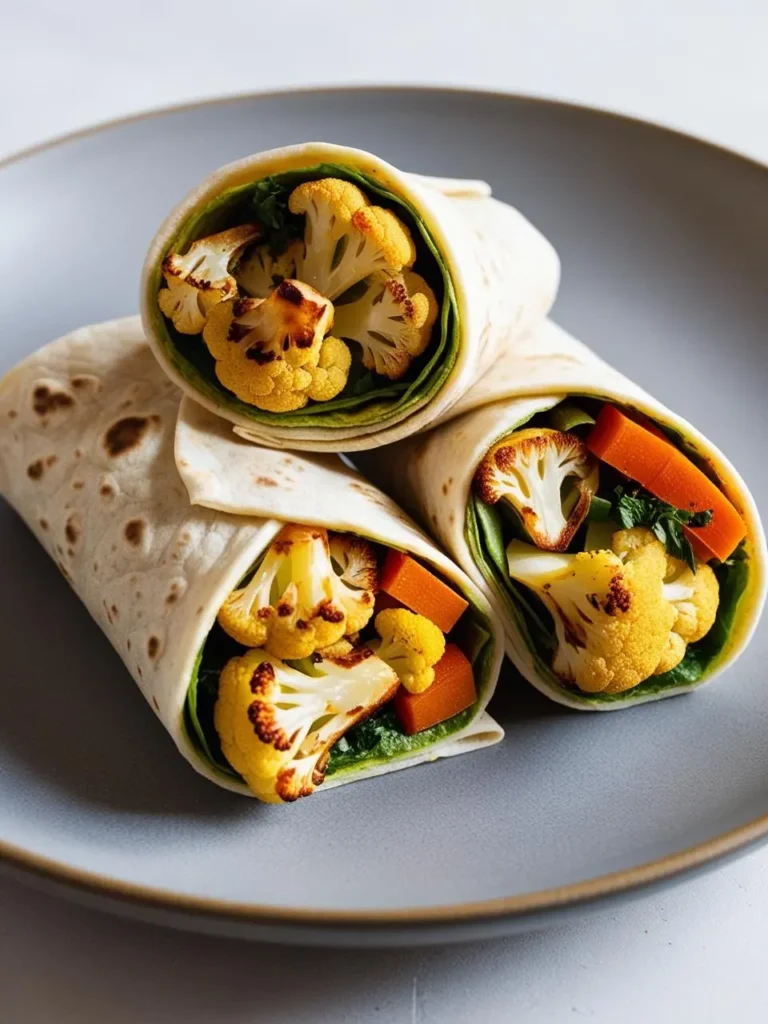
(694, 953)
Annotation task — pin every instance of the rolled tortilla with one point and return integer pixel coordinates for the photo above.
(88, 461)
(432, 477)
(493, 273)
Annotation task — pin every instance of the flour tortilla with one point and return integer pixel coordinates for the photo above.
(431, 476)
(505, 274)
(88, 461)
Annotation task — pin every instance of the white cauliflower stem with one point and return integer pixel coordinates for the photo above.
(277, 725)
(258, 272)
(392, 322)
(345, 238)
(549, 477)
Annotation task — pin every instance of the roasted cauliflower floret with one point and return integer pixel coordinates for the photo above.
(267, 351)
(329, 377)
(277, 725)
(547, 476)
(289, 607)
(259, 271)
(201, 278)
(611, 618)
(357, 578)
(345, 238)
(411, 645)
(695, 597)
(391, 321)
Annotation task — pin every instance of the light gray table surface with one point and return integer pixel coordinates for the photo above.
(692, 953)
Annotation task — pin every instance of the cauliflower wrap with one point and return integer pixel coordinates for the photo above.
(156, 520)
(622, 550)
(315, 296)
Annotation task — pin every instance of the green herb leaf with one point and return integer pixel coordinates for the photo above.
(639, 508)
(270, 204)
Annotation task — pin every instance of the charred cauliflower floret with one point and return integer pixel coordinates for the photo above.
(201, 278)
(695, 597)
(411, 645)
(268, 351)
(548, 477)
(259, 271)
(357, 578)
(611, 617)
(289, 607)
(392, 322)
(345, 238)
(277, 725)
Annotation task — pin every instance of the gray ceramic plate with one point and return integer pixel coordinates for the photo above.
(663, 241)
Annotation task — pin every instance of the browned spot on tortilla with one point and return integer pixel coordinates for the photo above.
(44, 400)
(95, 566)
(134, 531)
(434, 519)
(59, 549)
(43, 524)
(139, 672)
(78, 485)
(128, 644)
(266, 481)
(12, 414)
(64, 571)
(115, 611)
(186, 538)
(451, 518)
(35, 469)
(153, 646)
(78, 453)
(72, 530)
(155, 704)
(71, 552)
(200, 610)
(107, 491)
(126, 404)
(139, 595)
(126, 434)
(445, 488)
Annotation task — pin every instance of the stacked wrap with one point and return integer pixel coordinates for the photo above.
(88, 461)
(499, 275)
(432, 476)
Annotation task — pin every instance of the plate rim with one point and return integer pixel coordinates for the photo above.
(549, 901)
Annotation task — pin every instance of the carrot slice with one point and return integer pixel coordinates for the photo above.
(671, 476)
(403, 578)
(452, 691)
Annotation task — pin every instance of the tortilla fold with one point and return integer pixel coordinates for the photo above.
(87, 460)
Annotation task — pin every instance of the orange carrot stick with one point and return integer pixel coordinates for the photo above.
(671, 476)
(403, 578)
(452, 691)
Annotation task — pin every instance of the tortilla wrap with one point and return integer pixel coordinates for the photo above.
(432, 475)
(88, 461)
(499, 277)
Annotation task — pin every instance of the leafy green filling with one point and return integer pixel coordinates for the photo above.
(488, 530)
(367, 398)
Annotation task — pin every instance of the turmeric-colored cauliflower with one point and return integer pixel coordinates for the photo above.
(695, 597)
(329, 376)
(392, 321)
(345, 238)
(277, 725)
(611, 617)
(289, 607)
(259, 271)
(201, 278)
(357, 578)
(268, 351)
(411, 645)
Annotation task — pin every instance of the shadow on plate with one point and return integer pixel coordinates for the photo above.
(70, 712)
